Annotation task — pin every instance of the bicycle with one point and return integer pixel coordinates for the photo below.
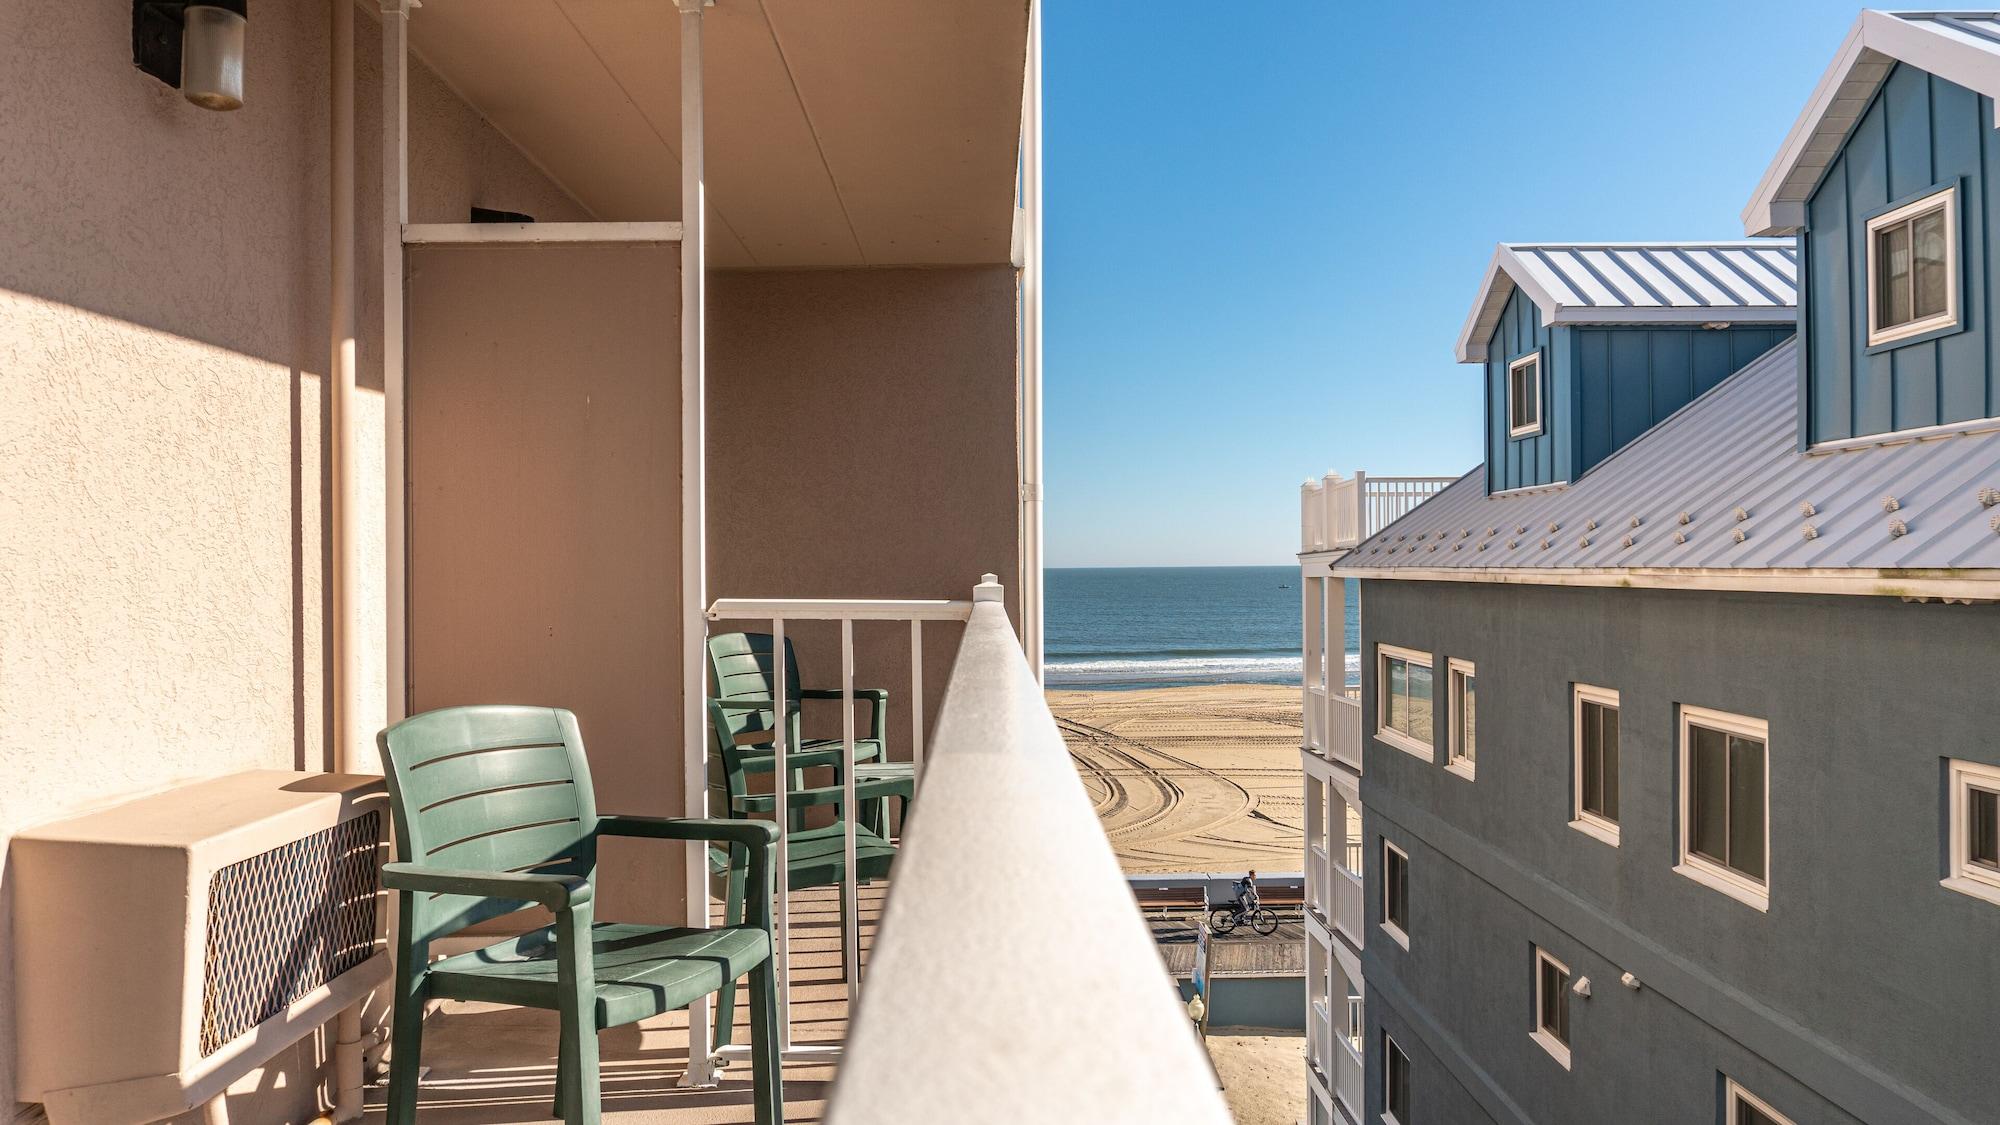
(1230, 915)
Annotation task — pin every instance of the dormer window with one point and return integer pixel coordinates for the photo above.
(1913, 269)
(1524, 396)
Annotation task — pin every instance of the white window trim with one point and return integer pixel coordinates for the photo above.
(1734, 1091)
(1455, 759)
(1395, 932)
(1555, 1047)
(1949, 317)
(1707, 872)
(1383, 730)
(1965, 878)
(1526, 429)
(1389, 1043)
(1589, 823)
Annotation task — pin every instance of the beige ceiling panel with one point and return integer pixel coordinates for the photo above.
(840, 132)
(917, 105)
(766, 181)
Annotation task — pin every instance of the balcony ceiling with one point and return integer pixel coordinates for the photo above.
(840, 132)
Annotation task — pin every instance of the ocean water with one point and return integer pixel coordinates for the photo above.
(1133, 627)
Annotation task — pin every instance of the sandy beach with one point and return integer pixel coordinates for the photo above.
(1199, 778)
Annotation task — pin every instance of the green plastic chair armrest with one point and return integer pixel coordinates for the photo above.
(826, 795)
(871, 694)
(751, 834)
(560, 893)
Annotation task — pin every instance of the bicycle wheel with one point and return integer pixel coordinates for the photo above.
(1264, 921)
(1222, 919)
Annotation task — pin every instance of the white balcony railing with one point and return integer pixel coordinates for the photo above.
(1347, 915)
(777, 613)
(1337, 512)
(1012, 977)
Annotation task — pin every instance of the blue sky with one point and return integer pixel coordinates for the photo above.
(1265, 222)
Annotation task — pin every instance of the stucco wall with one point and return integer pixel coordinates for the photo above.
(163, 344)
(863, 442)
(1857, 996)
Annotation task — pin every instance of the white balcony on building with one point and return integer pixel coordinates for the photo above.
(1336, 514)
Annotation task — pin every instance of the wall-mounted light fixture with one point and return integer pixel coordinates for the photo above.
(195, 46)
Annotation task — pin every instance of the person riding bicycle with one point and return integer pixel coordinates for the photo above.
(1246, 892)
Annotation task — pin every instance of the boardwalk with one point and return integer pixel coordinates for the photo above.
(1191, 779)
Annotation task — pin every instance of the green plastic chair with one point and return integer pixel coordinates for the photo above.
(494, 812)
(814, 857)
(740, 670)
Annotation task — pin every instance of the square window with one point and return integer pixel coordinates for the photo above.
(1404, 707)
(1552, 1006)
(1725, 803)
(1974, 799)
(1524, 396)
(1396, 893)
(1745, 1108)
(1463, 704)
(1913, 268)
(1395, 1082)
(1594, 786)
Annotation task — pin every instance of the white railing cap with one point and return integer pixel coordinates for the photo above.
(1013, 978)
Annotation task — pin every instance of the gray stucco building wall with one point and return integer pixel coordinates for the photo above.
(1867, 992)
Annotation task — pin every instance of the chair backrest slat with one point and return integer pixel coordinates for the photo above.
(740, 666)
(488, 789)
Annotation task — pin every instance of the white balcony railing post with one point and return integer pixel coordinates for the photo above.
(978, 1009)
(779, 612)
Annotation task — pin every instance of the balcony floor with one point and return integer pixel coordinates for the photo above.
(491, 1064)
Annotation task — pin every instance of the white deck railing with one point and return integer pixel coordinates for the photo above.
(1012, 977)
(1337, 512)
(777, 612)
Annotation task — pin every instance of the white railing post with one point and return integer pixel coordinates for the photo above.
(780, 612)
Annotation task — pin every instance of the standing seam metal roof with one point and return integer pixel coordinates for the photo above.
(1635, 282)
(1728, 463)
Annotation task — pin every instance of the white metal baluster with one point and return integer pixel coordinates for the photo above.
(916, 703)
(782, 786)
(850, 937)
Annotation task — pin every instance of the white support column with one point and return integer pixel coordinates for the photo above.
(395, 213)
(1031, 346)
(694, 509)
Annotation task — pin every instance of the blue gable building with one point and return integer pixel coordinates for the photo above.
(1586, 346)
(1674, 747)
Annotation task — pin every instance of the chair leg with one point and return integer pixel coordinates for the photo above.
(767, 1074)
(563, 1095)
(406, 1041)
(733, 906)
(577, 1088)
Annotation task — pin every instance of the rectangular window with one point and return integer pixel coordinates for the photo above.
(1357, 1022)
(1913, 268)
(1725, 804)
(1524, 396)
(1395, 1082)
(1746, 1108)
(1463, 703)
(1975, 830)
(1552, 1006)
(1396, 893)
(1594, 723)
(1404, 709)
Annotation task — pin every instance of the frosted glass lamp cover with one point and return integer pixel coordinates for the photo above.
(212, 57)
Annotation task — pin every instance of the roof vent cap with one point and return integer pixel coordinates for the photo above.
(1686, 519)
(1807, 510)
(1810, 532)
(1898, 529)
(1738, 535)
(1988, 497)
(1890, 504)
(1741, 514)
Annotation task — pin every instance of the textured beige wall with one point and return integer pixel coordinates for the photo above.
(162, 345)
(863, 442)
(545, 536)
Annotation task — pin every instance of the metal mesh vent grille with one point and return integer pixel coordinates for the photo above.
(286, 922)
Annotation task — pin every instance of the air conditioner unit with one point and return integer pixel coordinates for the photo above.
(168, 946)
